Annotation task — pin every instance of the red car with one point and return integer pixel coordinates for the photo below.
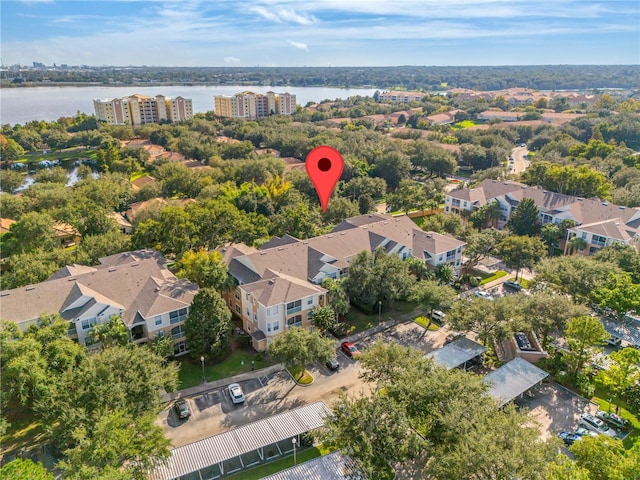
(350, 349)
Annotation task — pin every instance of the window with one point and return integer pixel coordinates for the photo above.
(455, 202)
(276, 325)
(310, 301)
(294, 321)
(237, 295)
(177, 332)
(158, 319)
(178, 315)
(273, 310)
(179, 348)
(88, 323)
(237, 309)
(160, 334)
(255, 316)
(296, 306)
(310, 315)
(268, 327)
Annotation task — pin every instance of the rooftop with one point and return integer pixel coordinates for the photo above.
(513, 379)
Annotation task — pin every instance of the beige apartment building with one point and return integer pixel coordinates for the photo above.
(251, 105)
(141, 109)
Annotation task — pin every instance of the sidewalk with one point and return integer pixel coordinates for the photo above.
(207, 386)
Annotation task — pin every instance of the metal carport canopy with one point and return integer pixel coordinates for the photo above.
(513, 379)
(333, 466)
(457, 353)
(233, 443)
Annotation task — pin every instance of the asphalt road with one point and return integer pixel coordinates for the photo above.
(520, 160)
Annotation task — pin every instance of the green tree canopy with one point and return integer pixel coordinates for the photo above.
(208, 325)
(524, 220)
(583, 334)
(522, 252)
(298, 347)
(207, 269)
(22, 469)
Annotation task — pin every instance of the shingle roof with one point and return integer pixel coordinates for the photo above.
(304, 259)
(134, 281)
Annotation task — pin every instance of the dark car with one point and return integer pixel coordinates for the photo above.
(332, 364)
(513, 284)
(452, 337)
(182, 408)
(569, 438)
(350, 349)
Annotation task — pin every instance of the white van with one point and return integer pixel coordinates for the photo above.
(438, 316)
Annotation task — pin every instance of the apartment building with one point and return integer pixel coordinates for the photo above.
(279, 284)
(401, 97)
(141, 109)
(135, 285)
(251, 105)
(598, 222)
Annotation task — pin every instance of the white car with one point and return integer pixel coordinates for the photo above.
(596, 425)
(485, 295)
(236, 394)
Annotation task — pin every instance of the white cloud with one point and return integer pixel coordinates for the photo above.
(263, 12)
(231, 60)
(284, 15)
(290, 15)
(300, 45)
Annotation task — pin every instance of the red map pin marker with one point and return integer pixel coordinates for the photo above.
(324, 167)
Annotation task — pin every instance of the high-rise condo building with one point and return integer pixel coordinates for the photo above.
(141, 109)
(252, 105)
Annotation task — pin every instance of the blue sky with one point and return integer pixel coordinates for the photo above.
(320, 32)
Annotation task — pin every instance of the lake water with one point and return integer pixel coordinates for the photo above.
(21, 105)
(71, 166)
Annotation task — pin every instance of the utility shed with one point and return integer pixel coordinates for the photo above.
(333, 466)
(513, 379)
(458, 353)
(232, 451)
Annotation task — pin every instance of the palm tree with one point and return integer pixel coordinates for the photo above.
(494, 213)
(446, 273)
(577, 244)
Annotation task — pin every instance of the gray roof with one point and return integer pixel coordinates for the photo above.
(303, 259)
(137, 282)
(513, 379)
(333, 466)
(457, 353)
(629, 331)
(233, 443)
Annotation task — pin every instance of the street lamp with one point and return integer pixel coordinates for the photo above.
(379, 311)
(293, 441)
(204, 380)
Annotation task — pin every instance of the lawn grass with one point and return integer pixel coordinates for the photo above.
(464, 124)
(23, 433)
(424, 322)
(524, 282)
(277, 466)
(190, 373)
(601, 398)
(305, 379)
(362, 321)
(495, 276)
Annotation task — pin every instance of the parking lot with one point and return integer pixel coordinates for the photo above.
(555, 408)
(213, 411)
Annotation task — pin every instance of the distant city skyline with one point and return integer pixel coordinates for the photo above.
(320, 33)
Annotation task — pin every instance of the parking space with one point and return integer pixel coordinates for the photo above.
(555, 408)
